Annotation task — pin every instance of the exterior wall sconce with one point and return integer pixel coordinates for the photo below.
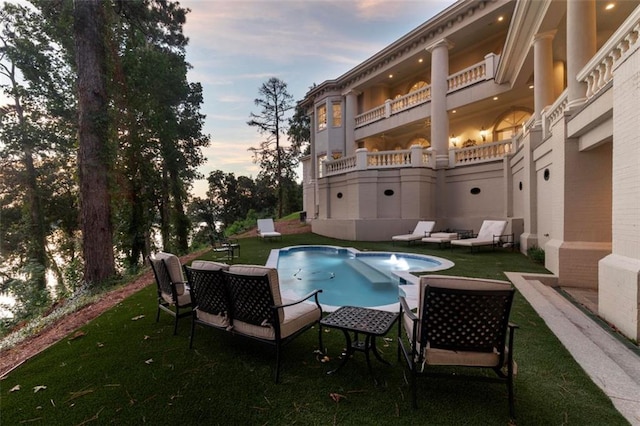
(483, 134)
(453, 140)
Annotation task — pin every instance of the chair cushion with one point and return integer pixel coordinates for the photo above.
(295, 318)
(221, 321)
(257, 270)
(184, 298)
(462, 283)
(407, 237)
(435, 356)
(440, 237)
(490, 228)
(270, 234)
(447, 235)
(174, 267)
(423, 229)
(473, 242)
(208, 265)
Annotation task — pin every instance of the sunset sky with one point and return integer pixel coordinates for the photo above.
(235, 46)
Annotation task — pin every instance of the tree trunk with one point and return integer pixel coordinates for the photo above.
(93, 152)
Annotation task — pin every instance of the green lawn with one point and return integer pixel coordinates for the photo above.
(124, 368)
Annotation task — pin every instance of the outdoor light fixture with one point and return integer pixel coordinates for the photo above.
(483, 134)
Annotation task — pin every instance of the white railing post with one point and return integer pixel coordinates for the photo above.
(416, 156)
(361, 159)
(490, 66)
(387, 108)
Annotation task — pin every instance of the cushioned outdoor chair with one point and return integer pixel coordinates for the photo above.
(259, 312)
(423, 229)
(490, 233)
(227, 246)
(209, 296)
(267, 229)
(173, 293)
(462, 322)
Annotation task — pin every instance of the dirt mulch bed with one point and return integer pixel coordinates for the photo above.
(23, 351)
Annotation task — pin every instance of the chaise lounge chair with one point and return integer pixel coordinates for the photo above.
(489, 234)
(267, 229)
(423, 229)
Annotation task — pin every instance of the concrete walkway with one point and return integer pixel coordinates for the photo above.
(610, 363)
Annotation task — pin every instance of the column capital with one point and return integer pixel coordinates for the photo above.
(443, 42)
(544, 35)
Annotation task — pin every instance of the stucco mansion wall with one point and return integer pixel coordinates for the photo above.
(619, 273)
(473, 194)
(374, 205)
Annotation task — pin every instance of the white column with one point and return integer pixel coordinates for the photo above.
(581, 46)
(350, 112)
(543, 93)
(439, 118)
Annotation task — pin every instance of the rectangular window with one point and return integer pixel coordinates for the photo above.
(322, 117)
(337, 114)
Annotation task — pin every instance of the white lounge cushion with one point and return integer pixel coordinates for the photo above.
(488, 229)
(266, 228)
(423, 229)
(440, 237)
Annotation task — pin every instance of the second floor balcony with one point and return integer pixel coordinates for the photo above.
(476, 73)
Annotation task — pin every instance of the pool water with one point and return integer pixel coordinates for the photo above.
(348, 276)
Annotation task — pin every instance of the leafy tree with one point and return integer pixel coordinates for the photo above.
(300, 131)
(139, 143)
(37, 152)
(275, 160)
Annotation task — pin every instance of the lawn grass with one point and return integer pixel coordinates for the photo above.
(124, 368)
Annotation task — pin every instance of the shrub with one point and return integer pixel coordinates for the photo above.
(536, 254)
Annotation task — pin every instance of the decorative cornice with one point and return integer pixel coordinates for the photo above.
(432, 29)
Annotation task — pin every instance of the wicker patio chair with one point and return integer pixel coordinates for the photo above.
(209, 296)
(259, 312)
(173, 293)
(460, 322)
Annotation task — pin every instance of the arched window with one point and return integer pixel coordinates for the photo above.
(510, 123)
(420, 141)
(417, 86)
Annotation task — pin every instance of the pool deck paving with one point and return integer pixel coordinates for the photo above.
(611, 362)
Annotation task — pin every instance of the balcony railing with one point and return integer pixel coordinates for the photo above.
(480, 153)
(599, 70)
(416, 156)
(474, 74)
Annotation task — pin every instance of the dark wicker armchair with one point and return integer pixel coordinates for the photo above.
(173, 293)
(460, 322)
(259, 312)
(209, 296)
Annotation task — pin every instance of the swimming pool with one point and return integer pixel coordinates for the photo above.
(348, 276)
